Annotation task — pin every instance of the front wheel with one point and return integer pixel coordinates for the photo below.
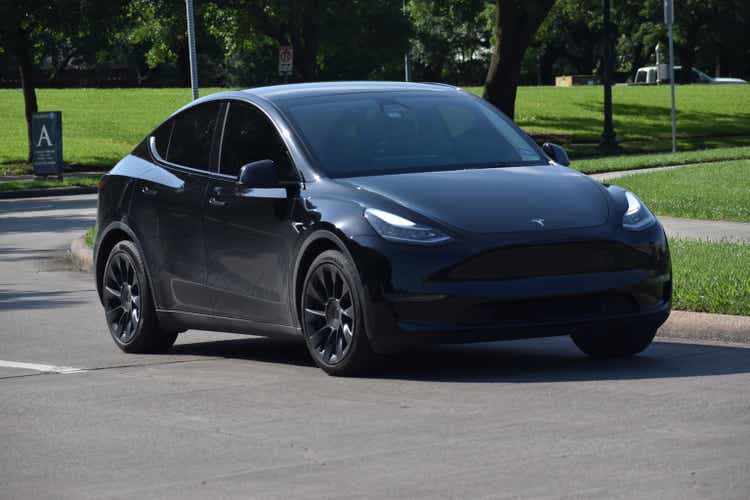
(332, 316)
(618, 341)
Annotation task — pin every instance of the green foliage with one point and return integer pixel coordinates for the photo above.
(711, 277)
(713, 191)
(451, 39)
(154, 24)
(90, 236)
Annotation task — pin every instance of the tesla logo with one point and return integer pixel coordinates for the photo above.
(538, 221)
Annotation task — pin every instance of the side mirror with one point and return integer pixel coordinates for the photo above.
(258, 174)
(557, 153)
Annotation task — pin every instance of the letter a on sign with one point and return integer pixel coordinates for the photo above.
(44, 136)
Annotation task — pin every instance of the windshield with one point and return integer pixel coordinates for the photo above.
(378, 133)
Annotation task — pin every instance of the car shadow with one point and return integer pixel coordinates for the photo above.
(11, 299)
(527, 361)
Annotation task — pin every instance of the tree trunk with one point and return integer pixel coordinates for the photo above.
(26, 74)
(304, 36)
(516, 23)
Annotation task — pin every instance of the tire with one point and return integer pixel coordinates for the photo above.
(618, 341)
(332, 312)
(128, 305)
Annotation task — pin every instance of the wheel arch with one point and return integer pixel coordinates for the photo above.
(319, 241)
(115, 232)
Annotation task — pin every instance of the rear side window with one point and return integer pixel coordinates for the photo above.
(192, 136)
(249, 136)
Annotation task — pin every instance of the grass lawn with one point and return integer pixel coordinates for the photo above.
(713, 191)
(707, 116)
(102, 125)
(632, 162)
(711, 277)
(51, 183)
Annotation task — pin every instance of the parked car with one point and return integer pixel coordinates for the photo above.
(649, 75)
(363, 217)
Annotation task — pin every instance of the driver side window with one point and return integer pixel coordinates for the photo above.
(249, 136)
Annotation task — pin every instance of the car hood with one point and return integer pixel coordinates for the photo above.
(495, 200)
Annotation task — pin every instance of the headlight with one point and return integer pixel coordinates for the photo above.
(637, 216)
(395, 228)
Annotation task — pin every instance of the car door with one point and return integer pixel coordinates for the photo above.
(167, 208)
(249, 235)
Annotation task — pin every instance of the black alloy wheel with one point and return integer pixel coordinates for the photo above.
(122, 297)
(128, 306)
(331, 314)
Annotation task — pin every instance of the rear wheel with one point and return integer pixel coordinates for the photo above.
(332, 315)
(128, 306)
(616, 342)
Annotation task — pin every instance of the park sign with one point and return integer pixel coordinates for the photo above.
(286, 60)
(46, 143)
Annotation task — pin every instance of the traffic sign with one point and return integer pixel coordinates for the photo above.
(286, 60)
(46, 145)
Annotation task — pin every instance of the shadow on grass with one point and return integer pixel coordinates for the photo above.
(528, 361)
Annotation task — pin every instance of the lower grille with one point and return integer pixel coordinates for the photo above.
(530, 261)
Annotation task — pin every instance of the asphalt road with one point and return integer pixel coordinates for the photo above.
(242, 417)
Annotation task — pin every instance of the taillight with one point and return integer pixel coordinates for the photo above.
(102, 182)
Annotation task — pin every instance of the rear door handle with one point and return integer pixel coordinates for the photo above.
(149, 191)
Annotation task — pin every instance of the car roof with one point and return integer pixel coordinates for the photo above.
(332, 88)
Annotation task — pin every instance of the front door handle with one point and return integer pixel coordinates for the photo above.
(149, 191)
(215, 202)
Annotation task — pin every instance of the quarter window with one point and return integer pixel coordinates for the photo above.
(249, 136)
(192, 136)
(163, 134)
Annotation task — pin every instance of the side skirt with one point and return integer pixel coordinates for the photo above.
(180, 320)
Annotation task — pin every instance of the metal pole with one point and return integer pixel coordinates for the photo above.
(407, 70)
(609, 137)
(191, 47)
(671, 81)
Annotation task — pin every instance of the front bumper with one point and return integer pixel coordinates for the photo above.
(417, 295)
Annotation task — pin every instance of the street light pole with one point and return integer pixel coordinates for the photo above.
(609, 137)
(669, 19)
(191, 48)
(407, 70)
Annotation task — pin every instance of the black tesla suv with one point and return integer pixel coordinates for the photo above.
(363, 217)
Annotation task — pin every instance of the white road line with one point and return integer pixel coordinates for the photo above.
(40, 368)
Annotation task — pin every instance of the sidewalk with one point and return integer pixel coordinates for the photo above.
(605, 176)
(710, 230)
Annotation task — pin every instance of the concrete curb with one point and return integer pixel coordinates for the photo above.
(42, 192)
(693, 326)
(81, 255)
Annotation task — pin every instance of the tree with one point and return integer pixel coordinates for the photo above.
(450, 37)
(31, 26)
(334, 39)
(516, 23)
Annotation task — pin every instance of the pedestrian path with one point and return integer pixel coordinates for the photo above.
(605, 176)
(710, 230)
